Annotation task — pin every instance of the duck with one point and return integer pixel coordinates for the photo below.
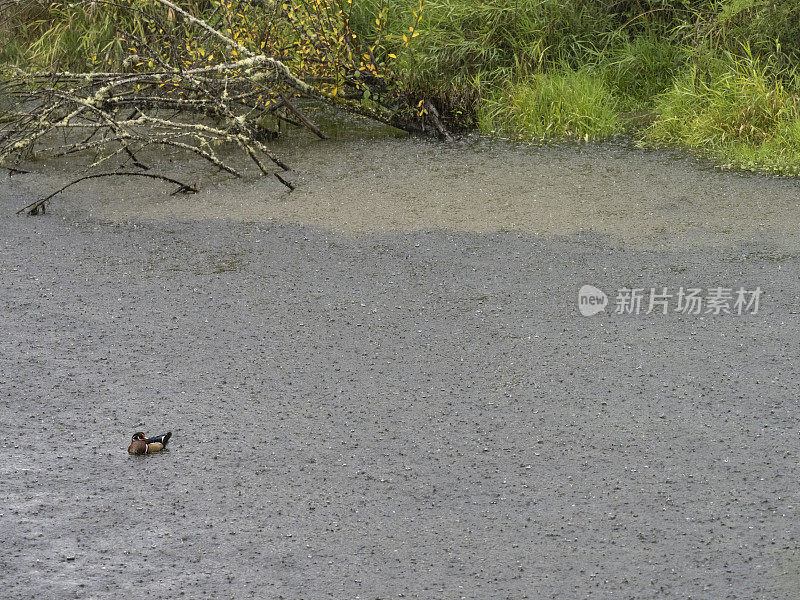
(141, 444)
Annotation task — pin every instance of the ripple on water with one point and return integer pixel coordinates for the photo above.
(371, 178)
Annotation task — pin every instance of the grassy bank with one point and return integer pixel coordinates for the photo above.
(717, 76)
(742, 110)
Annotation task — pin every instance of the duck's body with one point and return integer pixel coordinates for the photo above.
(140, 444)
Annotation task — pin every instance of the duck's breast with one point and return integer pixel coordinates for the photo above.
(137, 447)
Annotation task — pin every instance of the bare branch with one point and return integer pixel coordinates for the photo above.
(39, 206)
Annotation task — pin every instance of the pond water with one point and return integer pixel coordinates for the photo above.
(375, 391)
(370, 178)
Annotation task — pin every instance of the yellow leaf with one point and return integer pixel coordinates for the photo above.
(415, 34)
(392, 55)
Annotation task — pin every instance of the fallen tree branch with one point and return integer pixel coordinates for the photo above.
(437, 123)
(39, 206)
(14, 171)
(303, 119)
(222, 92)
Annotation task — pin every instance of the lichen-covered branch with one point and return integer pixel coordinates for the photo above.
(221, 93)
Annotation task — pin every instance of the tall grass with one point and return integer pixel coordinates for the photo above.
(72, 37)
(469, 46)
(639, 69)
(737, 108)
(566, 103)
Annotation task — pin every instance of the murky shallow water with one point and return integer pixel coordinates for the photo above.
(370, 178)
(384, 412)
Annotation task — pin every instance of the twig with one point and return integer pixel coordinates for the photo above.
(14, 171)
(284, 182)
(303, 119)
(434, 115)
(34, 207)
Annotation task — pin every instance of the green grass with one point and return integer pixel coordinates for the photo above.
(640, 69)
(73, 38)
(468, 47)
(561, 104)
(737, 109)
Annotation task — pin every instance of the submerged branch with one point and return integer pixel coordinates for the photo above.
(39, 206)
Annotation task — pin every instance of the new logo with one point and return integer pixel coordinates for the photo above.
(591, 300)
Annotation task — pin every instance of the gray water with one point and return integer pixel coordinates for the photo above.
(372, 178)
(380, 386)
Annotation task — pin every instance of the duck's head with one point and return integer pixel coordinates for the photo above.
(138, 436)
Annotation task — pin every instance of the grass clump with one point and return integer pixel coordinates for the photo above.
(772, 27)
(466, 48)
(639, 69)
(42, 35)
(737, 109)
(566, 103)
